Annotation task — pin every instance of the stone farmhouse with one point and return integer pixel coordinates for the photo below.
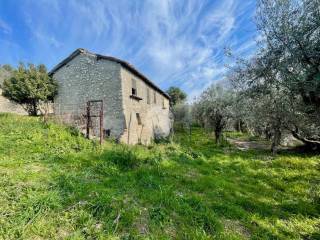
(135, 110)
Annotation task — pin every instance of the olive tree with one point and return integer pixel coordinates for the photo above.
(291, 30)
(282, 79)
(213, 109)
(267, 107)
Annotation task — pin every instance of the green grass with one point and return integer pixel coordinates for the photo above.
(243, 136)
(54, 184)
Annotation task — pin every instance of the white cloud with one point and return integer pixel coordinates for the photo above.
(173, 42)
(51, 40)
(185, 43)
(5, 27)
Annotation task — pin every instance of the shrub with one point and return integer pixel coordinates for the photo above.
(124, 157)
(30, 86)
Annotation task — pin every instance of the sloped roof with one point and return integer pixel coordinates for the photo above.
(124, 64)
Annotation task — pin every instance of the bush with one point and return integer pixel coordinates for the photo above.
(161, 139)
(124, 157)
(30, 86)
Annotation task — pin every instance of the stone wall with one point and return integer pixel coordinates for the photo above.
(7, 106)
(154, 115)
(85, 78)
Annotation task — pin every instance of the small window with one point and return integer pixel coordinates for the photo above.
(163, 103)
(134, 88)
(154, 97)
(148, 95)
(138, 118)
(107, 132)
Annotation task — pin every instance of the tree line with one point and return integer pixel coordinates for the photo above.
(277, 90)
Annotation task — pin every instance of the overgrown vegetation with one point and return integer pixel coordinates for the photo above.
(29, 86)
(54, 184)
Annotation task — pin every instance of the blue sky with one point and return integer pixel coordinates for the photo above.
(173, 42)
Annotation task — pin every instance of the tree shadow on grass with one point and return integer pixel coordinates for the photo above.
(180, 191)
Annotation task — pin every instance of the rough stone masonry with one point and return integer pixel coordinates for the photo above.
(135, 109)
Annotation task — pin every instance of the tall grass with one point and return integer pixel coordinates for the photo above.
(54, 184)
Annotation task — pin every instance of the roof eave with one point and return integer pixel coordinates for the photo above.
(124, 64)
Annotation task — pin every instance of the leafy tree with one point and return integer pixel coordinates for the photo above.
(177, 95)
(265, 104)
(292, 47)
(292, 39)
(30, 86)
(282, 80)
(213, 109)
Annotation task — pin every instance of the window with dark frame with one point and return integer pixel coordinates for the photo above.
(163, 103)
(154, 97)
(134, 91)
(139, 119)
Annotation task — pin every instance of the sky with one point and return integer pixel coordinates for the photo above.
(174, 42)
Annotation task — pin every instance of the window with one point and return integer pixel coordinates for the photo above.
(107, 132)
(134, 88)
(148, 95)
(154, 97)
(138, 118)
(163, 103)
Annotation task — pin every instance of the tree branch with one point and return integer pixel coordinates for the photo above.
(303, 139)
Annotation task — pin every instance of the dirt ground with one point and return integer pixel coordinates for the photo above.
(246, 144)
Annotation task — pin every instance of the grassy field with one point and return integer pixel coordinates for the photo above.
(54, 184)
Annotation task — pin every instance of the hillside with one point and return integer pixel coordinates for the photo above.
(54, 184)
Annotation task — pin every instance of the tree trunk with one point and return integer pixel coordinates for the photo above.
(218, 128)
(34, 111)
(267, 133)
(217, 135)
(276, 140)
(218, 132)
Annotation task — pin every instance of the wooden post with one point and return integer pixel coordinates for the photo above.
(88, 120)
